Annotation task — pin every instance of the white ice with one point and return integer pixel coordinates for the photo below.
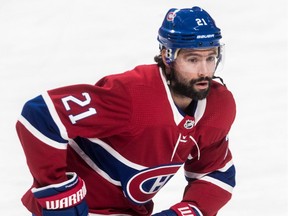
(48, 44)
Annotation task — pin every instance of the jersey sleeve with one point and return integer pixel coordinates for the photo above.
(210, 190)
(211, 177)
(49, 121)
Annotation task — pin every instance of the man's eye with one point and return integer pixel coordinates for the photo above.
(211, 58)
(193, 60)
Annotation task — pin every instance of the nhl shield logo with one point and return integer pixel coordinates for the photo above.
(189, 124)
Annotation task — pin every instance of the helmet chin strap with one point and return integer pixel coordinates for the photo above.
(221, 80)
(170, 74)
(217, 64)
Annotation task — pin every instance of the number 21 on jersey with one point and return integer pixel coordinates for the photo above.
(83, 103)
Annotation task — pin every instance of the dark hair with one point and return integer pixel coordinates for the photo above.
(158, 59)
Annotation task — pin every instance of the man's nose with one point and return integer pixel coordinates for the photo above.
(204, 69)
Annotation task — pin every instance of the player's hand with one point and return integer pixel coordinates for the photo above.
(63, 199)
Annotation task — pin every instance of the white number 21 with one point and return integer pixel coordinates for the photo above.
(82, 103)
(201, 22)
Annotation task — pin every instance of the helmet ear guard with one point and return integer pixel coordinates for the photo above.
(171, 55)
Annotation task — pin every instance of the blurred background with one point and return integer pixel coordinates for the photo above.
(48, 44)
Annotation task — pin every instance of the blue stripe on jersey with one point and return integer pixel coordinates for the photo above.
(227, 177)
(105, 161)
(36, 112)
(54, 189)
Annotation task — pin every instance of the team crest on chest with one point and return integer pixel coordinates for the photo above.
(142, 187)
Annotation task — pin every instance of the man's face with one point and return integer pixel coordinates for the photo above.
(192, 72)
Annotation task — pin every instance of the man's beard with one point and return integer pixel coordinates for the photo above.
(187, 88)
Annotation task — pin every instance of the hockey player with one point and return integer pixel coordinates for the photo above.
(108, 148)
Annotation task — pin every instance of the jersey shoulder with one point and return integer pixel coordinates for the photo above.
(143, 75)
(220, 107)
(220, 97)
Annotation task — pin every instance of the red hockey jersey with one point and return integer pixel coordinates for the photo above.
(125, 137)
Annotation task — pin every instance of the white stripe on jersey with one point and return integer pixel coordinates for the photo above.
(177, 115)
(88, 160)
(219, 183)
(116, 154)
(40, 136)
(56, 118)
(204, 177)
(199, 112)
(200, 175)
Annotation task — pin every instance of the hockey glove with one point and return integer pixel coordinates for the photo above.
(166, 213)
(63, 199)
(180, 209)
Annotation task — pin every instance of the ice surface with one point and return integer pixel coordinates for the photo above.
(47, 44)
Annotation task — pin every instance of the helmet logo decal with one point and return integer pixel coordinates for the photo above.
(171, 16)
(205, 36)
